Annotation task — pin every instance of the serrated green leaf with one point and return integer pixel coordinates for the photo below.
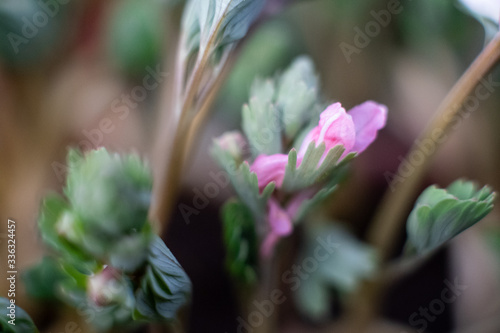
(262, 120)
(244, 182)
(441, 214)
(22, 322)
(241, 241)
(311, 171)
(164, 288)
(118, 188)
(297, 95)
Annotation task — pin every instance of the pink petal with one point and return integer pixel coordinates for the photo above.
(270, 168)
(313, 135)
(267, 246)
(279, 221)
(335, 128)
(280, 225)
(294, 205)
(368, 118)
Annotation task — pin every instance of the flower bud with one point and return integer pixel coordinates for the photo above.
(107, 287)
(233, 143)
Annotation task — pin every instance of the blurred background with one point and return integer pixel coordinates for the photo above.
(92, 73)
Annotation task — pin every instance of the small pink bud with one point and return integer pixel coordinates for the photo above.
(234, 143)
(280, 225)
(105, 288)
(270, 168)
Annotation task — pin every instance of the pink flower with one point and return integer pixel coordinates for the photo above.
(280, 225)
(368, 118)
(355, 130)
(335, 128)
(270, 168)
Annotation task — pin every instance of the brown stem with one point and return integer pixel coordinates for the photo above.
(171, 166)
(389, 220)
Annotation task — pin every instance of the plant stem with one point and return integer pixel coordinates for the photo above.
(172, 149)
(389, 220)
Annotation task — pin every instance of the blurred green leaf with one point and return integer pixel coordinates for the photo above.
(136, 35)
(241, 241)
(441, 214)
(52, 211)
(272, 47)
(22, 321)
(30, 31)
(118, 189)
(341, 262)
(164, 288)
(244, 181)
(43, 280)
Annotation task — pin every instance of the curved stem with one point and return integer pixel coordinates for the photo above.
(389, 219)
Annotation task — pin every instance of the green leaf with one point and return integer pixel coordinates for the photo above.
(297, 95)
(136, 35)
(25, 42)
(52, 212)
(164, 288)
(117, 188)
(340, 261)
(241, 241)
(311, 171)
(23, 322)
(441, 214)
(261, 120)
(244, 182)
(225, 21)
(42, 281)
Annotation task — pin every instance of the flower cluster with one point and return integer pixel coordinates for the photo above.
(290, 155)
(354, 131)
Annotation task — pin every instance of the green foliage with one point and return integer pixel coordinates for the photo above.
(136, 34)
(297, 95)
(244, 182)
(342, 262)
(117, 188)
(23, 322)
(272, 46)
(164, 288)
(110, 261)
(441, 214)
(24, 43)
(42, 281)
(261, 119)
(241, 242)
(279, 108)
(115, 229)
(225, 21)
(311, 171)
